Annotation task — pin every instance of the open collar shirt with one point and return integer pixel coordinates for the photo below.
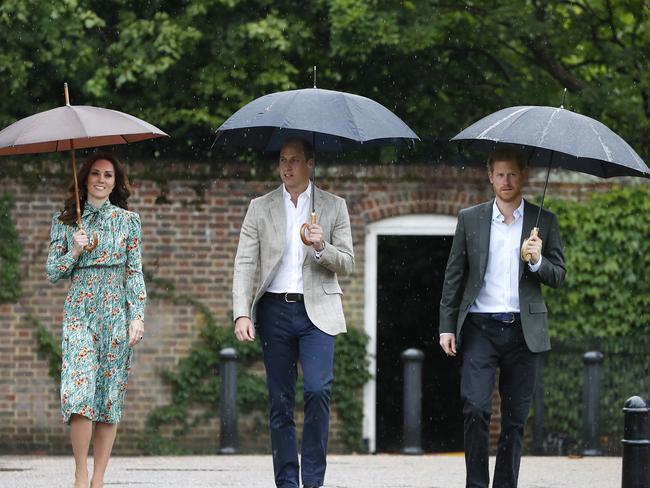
(288, 278)
(500, 291)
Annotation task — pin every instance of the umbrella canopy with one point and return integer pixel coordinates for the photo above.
(74, 127)
(557, 137)
(332, 120)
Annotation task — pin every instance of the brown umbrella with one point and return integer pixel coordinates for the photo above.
(74, 127)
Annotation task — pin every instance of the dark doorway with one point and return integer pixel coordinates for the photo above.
(410, 273)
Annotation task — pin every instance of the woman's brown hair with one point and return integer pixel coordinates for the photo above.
(118, 196)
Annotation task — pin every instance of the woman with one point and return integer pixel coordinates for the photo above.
(104, 309)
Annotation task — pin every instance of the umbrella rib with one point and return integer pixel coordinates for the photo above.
(80, 122)
(548, 125)
(285, 124)
(482, 135)
(352, 117)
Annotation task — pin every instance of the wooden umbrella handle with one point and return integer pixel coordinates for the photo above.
(524, 255)
(304, 228)
(95, 240)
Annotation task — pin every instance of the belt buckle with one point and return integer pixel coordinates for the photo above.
(286, 298)
(512, 318)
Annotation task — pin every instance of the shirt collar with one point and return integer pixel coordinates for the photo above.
(497, 216)
(306, 193)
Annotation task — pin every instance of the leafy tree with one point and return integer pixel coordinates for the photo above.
(439, 64)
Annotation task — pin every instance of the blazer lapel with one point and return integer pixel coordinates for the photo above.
(276, 215)
(485, 224)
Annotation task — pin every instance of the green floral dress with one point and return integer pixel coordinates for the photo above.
(106, 293)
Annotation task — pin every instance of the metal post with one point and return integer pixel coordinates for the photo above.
(538, 406)
(636, 444)
(228, 357)
(413, 359)
(591, 403)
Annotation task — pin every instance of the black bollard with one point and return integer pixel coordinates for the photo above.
(636, 444)
(591, 403)
(228, 357)
(412, 401)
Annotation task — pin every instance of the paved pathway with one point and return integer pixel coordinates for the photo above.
(380, 471)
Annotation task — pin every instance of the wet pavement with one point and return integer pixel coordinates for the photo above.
(344, 471)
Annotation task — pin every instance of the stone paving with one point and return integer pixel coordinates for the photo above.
(349, 471)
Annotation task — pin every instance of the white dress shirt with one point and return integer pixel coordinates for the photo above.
(288, 278)
(500, 291)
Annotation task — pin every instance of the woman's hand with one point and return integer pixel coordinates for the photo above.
(80, 239)
(136, 332)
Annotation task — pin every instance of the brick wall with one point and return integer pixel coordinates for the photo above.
(191, 217)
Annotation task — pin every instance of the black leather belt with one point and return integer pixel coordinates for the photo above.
(504, 317)
(286, 297)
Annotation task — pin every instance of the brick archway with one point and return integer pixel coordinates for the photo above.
(382, 205)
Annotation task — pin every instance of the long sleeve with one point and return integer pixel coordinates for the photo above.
(60, 261)
(455, 278)
(136, 293)
(552, 269)
(338, 256)
(246, 264)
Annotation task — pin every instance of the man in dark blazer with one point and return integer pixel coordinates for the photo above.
(492, 313)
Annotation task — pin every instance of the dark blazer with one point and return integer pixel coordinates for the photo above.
(467, 264)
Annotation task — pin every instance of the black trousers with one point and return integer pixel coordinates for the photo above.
(487, 345)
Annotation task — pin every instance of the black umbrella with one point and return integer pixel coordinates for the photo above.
(552, 136)
(331, 120)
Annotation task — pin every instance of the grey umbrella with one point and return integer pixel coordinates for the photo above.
(331, 120)
(558, 137)
(551, 136)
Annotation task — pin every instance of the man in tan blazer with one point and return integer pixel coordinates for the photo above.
(295, 305)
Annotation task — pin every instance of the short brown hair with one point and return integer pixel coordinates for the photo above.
(506, 153)
(307, 147)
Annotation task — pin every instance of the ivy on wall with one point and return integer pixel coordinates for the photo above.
(607, 252)
(196, 382)
(10, 250)
(602, 306)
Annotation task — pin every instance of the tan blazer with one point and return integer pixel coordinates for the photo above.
(262, 244)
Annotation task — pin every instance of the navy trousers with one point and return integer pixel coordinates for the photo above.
(289, 337)
(488, 345)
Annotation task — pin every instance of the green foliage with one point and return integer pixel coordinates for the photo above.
(601, 306)
(49, 347)
(440, 64)
(607, 287)
(195, 383)
(624, 374)
(10, 250)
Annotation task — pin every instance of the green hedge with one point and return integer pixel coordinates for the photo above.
(607, 251)
(602, 306)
